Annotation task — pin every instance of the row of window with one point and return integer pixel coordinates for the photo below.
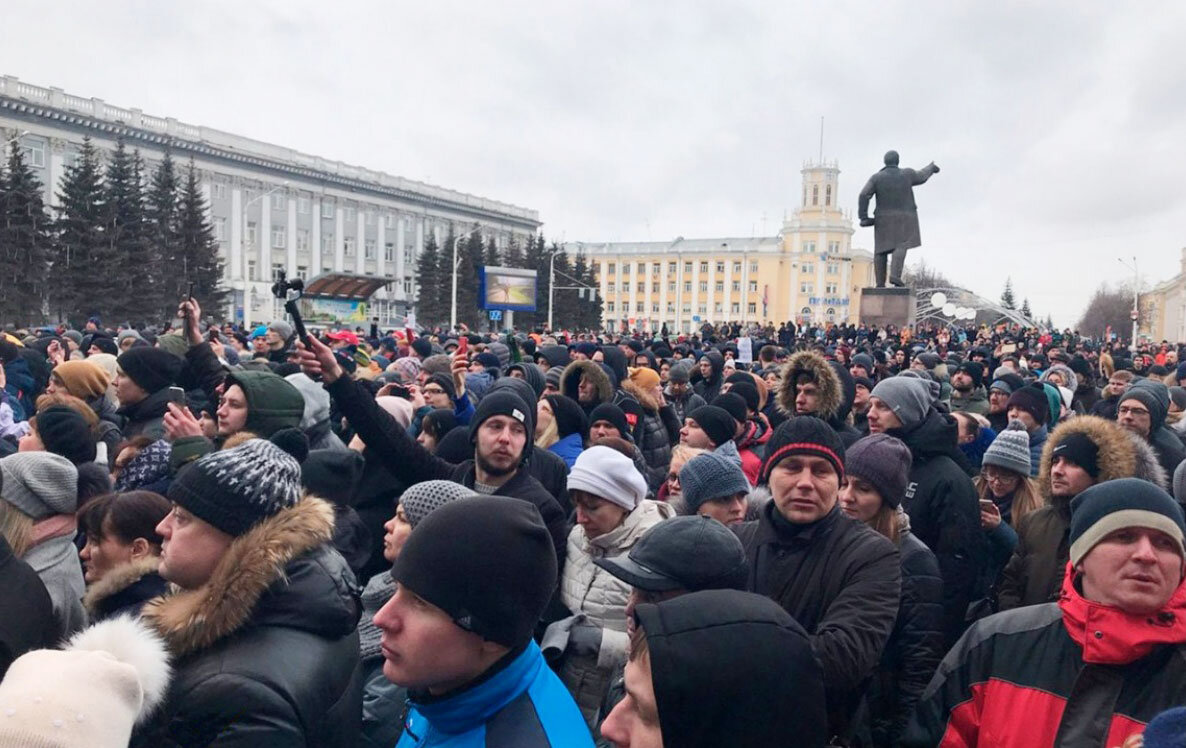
(611, 268)
(718, 286)
(280, 241)
(831, 268)
(641, 307)
(304, 205)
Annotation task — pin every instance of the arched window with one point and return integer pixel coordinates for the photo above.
(806, 311)
(828, 195)
(831, 312)
(815, 194)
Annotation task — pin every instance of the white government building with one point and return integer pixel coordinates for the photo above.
(272, 207)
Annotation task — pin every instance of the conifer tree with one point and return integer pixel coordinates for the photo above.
(491, 256)
(165, 263)
(126, 239)
(469, 257)
(1007, 299)
(580, 271)
(26, 243)
(430, 282)
(78, 255)
(513, 256)
(1025, 309)
(200, 261)
(565, 301)
(536, 256)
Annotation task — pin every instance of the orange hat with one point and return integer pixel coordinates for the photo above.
(82, 379)
(645, 377)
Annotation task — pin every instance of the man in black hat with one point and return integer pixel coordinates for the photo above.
(500, 432)
(681, 555)
(967, 390)
(142, 378)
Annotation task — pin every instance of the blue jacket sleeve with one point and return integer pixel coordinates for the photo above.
(463, 409)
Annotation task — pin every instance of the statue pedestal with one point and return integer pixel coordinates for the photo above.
(887, 306)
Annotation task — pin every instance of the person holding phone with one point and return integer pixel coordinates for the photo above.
(1006, 494)
(877, 469)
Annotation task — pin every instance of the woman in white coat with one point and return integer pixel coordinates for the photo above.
(612, 514)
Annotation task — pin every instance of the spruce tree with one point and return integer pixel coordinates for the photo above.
(1007, 299)
(491, 256)
(166, 261)
(26, 243)
(513, 256)
(1025, 309)
(200, 261)
(79, 250)
(430, 282)
(469, 257)
(565, 300)
(125, 235)
(536, 256)
(580, 271)
(593, 307)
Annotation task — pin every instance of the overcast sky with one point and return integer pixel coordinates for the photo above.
(1059, 126)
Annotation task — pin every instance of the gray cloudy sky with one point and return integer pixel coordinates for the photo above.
(1058, 125)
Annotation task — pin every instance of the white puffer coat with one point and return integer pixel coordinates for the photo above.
(589, 589)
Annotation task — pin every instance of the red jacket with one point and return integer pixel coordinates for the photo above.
(1073, 673)
(752, 446)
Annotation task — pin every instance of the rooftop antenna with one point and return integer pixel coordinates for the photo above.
(821, 139)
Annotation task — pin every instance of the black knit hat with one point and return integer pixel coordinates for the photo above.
(973, 370)
(716, 422)
(613, 414)
(422, 346)
(488, 562)
(1115, 504)
(152, 369)
(803, 435)
(65, 432)
(570, 419)
(748, 392)
(733, 404)
(1080, 449)
(883, 461)
(333, 474)
(235, 489)
(504, 403)
(445, 382)
(1032, 399)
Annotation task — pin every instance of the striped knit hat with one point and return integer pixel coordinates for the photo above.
(237, 488)
(1011, 449)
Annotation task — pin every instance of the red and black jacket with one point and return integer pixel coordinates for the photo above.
(1072, 673)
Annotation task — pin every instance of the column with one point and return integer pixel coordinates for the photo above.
(727, 306)
(381, 246)
(339, 239)
(603, 279)
(315, 240)
(416, 250)
(237, 224)
(696, 294)
(662, 290)
(57, 157)
(679, 293)
(633, 276)
(400, 269)
(360, 242)
(290, 236)
(264, 237)
(744, 292)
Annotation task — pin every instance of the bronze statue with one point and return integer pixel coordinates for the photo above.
(895, 221)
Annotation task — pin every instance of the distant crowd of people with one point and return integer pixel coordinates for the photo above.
(749, 536)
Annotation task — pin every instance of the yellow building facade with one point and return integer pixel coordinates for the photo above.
(808, 273)
(1165, 308)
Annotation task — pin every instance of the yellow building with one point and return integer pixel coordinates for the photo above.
(808, 273)
(1165, 307)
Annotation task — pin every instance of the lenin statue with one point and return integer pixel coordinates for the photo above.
(895, 221)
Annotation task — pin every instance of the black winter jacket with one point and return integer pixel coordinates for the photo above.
(411, 463)
(841, 581)
(274, 659)
(145, 418)
(945, 514)
(28, 620)
(915, 646)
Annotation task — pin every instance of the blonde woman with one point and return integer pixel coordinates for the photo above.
(1006, 492)
(680, 455)
(560, 427)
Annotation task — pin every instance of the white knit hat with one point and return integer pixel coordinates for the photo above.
(108, 678)
(608, 474)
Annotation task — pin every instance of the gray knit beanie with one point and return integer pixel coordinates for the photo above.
(553, 376)
(908, 397)
(1180, 482)
(1010, 450)
(883, 461)
(680, 372)
(40, 484)
(710, 476)
(420, 499)
(235, 489)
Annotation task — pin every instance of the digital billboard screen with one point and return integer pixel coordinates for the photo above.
(506, 288)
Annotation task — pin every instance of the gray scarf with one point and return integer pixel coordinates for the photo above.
(378, 591)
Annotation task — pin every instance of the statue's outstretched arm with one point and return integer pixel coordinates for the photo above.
(918, 176)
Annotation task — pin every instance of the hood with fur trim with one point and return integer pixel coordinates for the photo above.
(282, 571)
(115, 581)
(831, 394)
(644, 398)
(570, 380)
(1122, 454)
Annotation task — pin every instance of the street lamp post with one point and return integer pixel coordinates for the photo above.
(551, 287)
(1136, 300)
(453, 309)
(247, 292)
(16, 137)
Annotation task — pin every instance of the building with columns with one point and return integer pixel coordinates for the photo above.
(808, 273)
(1165, 308)
(272, 207)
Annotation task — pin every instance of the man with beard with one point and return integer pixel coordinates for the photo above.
(500, 432)
(967, 392)
(998, 399)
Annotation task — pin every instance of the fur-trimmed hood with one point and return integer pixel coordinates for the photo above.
(571, 379)
(1121, 454)
(282, 571)
(831, 395)
(115, 581)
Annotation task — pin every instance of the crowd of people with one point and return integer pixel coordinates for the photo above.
(747, 536)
